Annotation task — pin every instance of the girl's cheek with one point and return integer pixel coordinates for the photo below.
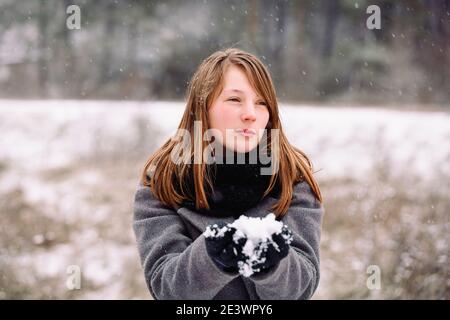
(263, 118)
(229, 117)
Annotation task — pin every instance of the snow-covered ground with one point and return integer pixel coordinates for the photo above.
(77, 163)
(340, 141)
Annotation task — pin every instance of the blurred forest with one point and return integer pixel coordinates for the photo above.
(317, 51)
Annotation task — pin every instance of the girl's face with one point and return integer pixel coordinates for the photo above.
(239, 112)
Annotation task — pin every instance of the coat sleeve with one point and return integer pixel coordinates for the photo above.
(175, 266)
(297, 275)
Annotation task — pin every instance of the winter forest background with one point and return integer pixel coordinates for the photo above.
(81, 110)
(139, 50)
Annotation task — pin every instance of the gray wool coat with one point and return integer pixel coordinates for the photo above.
(176, 265)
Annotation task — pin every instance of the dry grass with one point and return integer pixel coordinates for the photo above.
(398, 224)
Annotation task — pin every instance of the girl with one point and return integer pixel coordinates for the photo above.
(230, 157)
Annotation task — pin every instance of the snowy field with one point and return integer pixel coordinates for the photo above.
(68, 171)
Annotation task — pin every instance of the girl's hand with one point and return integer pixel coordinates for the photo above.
(228, 255)
(221, 248)
(274, 251)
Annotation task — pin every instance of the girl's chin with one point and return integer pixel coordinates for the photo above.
(243, 147)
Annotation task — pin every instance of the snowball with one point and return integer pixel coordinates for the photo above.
(256, 229)
(258, 232)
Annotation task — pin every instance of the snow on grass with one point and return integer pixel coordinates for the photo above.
(349, 141)
(101, 265)
(59, 133)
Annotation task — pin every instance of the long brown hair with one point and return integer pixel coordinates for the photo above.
(160, 172)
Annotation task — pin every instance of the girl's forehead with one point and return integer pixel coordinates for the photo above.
(237, 81)
(234, 74)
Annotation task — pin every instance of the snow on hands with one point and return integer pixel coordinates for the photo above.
(256, 235)
(214, 231)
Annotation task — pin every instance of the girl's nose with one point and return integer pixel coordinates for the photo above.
(249, 113)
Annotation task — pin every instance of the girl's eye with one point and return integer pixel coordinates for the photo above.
(239, 100)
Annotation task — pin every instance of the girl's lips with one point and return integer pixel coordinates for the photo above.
(246, 132)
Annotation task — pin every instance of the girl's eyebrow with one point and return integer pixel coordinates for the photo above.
(234, 90)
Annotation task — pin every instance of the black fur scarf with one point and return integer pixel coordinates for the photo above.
(236, 187)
